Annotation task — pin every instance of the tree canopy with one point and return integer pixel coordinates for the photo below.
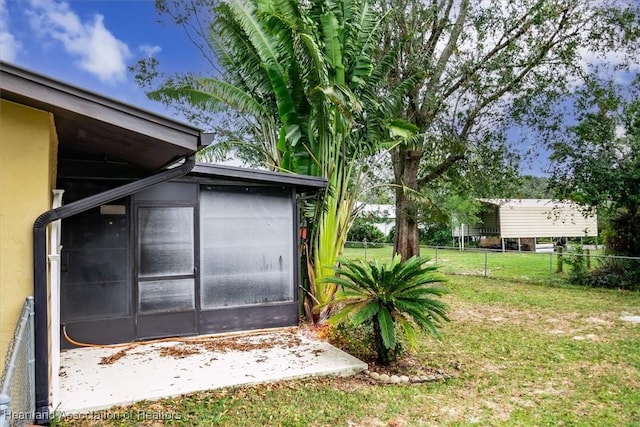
(483, 67)
(598, 164)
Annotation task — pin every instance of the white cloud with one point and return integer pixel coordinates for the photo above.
(97, 50)
(149, 51)
(9, 45)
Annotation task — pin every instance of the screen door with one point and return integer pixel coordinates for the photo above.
(166, 271)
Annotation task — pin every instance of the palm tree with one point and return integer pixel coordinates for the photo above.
(301, 77)
(395, 298)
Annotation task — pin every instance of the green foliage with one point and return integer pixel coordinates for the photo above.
(437, 235)
(616, 273)
(484, 67)
(598, 168)
(362, 229)
(360, 245)
(397, 298)
(578, 275)
(300, 78)
(432, 235)
(357, 340)
(532, 187)
(624, 237)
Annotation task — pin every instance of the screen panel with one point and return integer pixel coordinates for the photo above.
(247, 246)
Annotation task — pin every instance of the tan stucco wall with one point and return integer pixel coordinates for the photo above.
(28, 149)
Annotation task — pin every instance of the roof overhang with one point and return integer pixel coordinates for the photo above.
(94, 124)
(222, 172)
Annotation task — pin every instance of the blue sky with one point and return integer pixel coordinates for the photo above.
(90, 43)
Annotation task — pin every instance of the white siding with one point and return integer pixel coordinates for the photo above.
(543, 218)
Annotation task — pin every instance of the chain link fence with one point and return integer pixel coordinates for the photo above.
(550, 267)
(17, 392)
(556, 266)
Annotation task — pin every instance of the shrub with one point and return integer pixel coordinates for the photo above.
(578, 275)
(395, 298)
(363, 229)
(355, 340)
(617, 273)
(437, 235)
(433, 235)
(362, 245)
(624, 236)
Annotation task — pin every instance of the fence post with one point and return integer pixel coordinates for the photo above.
(485, 262)
(559, 268)
(588, 257)
(436, 254)
(550, 268)
(364, 241)
(5, 410)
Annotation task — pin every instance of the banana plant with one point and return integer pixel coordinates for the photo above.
(301, 76)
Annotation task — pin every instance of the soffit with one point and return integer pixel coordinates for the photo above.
(98, 125)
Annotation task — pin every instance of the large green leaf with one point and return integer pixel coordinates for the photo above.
(263, 42)
(387, 328)
(332, 46)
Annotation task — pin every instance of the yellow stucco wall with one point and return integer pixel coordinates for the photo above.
(28, 151)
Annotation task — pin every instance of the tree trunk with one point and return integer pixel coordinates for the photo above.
(385, 355)
(406, 240)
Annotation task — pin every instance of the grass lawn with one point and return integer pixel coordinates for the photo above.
(520, 354)
(515, 266)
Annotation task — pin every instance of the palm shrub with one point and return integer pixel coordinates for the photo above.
(397, 298)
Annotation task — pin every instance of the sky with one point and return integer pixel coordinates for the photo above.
(90, 43)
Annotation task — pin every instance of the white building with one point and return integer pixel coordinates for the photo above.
(528, 219)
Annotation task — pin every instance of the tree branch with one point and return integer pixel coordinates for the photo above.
(439, 170)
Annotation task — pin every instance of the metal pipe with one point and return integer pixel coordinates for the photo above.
(40, 268)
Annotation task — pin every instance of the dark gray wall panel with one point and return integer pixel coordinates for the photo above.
(110, 331)
(248, 318)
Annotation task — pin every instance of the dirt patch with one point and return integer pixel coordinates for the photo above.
(500, 315)
(630, 318)
(593, 328)
(407, 367)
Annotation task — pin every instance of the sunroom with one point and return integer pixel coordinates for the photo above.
(214, 251)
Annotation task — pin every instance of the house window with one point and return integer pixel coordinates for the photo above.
(246, 246)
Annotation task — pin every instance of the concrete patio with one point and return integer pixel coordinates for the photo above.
(94, 378)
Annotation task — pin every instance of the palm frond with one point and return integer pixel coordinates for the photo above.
(387, 328)
(211, 94)
(264, 43)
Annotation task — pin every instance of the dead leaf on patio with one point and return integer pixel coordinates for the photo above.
(223, 345)
(110, 360)
(178, 352)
